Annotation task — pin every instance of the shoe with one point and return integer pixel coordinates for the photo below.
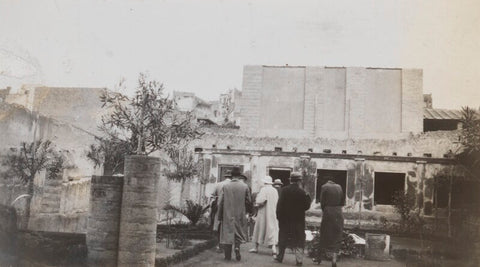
(334, 264)
(299, 264)
(275, 258)
(238, 257)
(253, 250)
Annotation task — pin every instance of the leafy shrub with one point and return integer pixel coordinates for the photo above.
(410, 220)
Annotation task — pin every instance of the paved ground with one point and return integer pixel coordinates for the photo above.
(264, 259)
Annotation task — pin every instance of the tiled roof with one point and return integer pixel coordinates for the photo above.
(441, 114)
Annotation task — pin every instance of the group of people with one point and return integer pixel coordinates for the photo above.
(279, 216)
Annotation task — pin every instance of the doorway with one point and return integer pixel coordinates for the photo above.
(386, 185)
(280, 173)
(337, 176)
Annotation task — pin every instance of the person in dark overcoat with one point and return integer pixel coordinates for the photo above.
(214, 206)
(291, 207)
(331, 228)
(234, 203)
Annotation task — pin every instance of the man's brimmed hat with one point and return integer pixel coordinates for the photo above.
(228, 174)
(236, 171)
(277, 182)
(243, 177)
(295, 176)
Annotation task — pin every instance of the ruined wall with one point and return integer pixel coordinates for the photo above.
(80, 107)
(437, 143)
(60, 204)
(331, 102)
(256, 155)
(360, 175)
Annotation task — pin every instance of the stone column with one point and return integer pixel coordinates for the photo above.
(104, 220)
(205, 176)
(138, 221)
(360, 182)
(420, 185)
(255, 172)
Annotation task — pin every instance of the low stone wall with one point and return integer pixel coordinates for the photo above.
(57, 249)
(8, 235)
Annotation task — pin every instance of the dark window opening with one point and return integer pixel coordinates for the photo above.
(440, 198)
(439, 125)
(337, 176)
(223, 171)
(282, 174)
(386, 185)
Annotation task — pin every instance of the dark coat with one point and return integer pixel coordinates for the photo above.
(331, 228)
(291, 207)
(234, 203)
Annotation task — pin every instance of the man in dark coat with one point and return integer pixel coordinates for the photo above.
(234, 203)
(331, 228)
(214, 206)
(291, 207)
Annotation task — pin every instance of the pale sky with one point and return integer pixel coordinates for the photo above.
(202, 46)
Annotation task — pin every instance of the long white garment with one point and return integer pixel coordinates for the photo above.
(266, 224)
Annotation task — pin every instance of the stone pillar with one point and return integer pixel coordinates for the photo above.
(104, 220)
(138, 221)
(255, 172)
(420, 200)
(360, 182)
(205, 177)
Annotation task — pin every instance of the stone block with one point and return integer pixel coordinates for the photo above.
(104, 220)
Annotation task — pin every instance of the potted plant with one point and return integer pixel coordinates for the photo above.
(133, 128)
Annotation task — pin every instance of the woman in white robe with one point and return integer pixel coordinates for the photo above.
(266, 224)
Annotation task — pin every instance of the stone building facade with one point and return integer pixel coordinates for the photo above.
(363, 127)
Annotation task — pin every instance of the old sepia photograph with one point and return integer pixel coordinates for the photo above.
(198, 133)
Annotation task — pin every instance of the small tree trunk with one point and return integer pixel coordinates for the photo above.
(436, 202)
(450, 207)
(140, 134)
(30, 191)
(200, 193)
(182, 189)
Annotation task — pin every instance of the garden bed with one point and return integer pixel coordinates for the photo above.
(176, 243)
(168, 256)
